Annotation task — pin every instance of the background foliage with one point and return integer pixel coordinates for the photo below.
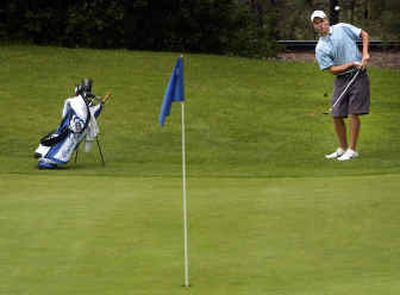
(381, 18)
(238, 27)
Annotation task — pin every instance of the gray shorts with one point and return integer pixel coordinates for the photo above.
(356, 100)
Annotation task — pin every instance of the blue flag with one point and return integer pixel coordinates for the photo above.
(174, 91)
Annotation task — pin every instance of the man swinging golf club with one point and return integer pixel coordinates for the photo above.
(337, 52)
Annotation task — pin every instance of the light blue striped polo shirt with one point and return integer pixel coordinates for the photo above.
(339, 46)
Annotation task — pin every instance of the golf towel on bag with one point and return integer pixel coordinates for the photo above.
(78, 123)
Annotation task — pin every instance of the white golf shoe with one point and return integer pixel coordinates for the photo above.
(336, 154)
(348, 155)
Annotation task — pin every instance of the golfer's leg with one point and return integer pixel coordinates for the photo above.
(340, 129)
(354, 130)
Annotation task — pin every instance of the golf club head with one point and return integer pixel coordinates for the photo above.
(328, 112)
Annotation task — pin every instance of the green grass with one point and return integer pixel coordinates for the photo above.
(121, 235)
(268, 215)
(244, 117)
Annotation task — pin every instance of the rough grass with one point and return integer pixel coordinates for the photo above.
(244, 117)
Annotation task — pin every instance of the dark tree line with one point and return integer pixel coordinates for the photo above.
(223, 26)
(240, 27)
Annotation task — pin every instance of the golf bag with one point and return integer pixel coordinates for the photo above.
(78, 124)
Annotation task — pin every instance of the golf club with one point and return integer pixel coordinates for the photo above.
(342, 94)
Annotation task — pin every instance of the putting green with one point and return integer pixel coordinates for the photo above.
(118, 235)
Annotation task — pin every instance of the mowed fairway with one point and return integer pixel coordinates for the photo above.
(267, 213)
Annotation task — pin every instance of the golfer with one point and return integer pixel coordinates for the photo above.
(337, 52)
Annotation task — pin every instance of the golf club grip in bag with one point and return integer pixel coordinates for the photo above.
(53, 138)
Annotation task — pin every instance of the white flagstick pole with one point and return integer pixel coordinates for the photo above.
(185, 219)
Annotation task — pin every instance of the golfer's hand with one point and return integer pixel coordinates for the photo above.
(365, 61)
(357, 64)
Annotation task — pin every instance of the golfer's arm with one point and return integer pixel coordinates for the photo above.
(341, 68)
(365, 38)
(365, 45)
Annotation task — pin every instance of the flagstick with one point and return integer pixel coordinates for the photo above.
(185, 221)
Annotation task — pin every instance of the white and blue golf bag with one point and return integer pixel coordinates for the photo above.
(78, 124)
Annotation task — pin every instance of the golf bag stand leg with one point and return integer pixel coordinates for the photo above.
(76, 155)
(100, 151)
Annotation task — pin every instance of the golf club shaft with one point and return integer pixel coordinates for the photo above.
(345, 89)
